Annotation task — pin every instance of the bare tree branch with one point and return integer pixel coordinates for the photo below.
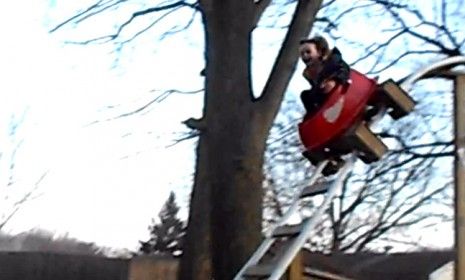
(96, 5)
(396, 60)
(158, 99)
(260, 7)
(187, 136)
(379, 47)
(137, 34)
(99, 8)
(177, 29)
(25, 198)
(97, 11)
(304, 15)
(397, 222)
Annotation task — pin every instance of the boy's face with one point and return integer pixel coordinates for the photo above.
(308, 53)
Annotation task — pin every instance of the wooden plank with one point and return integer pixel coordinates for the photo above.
(287, 230)
(399, 100)
(369, 144)
(320, 274)
(316, 189)
(260, 270)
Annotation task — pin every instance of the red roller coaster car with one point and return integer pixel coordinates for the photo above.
(339, 126)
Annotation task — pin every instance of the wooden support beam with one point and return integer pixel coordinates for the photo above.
(459, 170)
(296, 269)
(371, 148)
(398, 100)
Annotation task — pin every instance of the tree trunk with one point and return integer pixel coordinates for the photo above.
(196, 260)
(236, 138)
(232, 142)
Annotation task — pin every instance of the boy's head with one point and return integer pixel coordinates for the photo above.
(313, 49)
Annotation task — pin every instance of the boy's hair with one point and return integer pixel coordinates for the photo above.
(320, 42)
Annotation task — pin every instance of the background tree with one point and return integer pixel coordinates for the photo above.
(13, 196)
(165, 236)
(44, 241)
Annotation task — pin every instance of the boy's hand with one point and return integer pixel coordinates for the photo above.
(328, 85)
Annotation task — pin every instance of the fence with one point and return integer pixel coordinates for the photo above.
(52, 266)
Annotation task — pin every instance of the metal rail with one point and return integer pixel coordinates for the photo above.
(311, 223)
(265, 245)
(448, 62)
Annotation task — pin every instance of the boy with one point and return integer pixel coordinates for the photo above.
(324, 70)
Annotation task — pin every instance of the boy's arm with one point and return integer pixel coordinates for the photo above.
(335, 69)
(342, 75)
(308, 76)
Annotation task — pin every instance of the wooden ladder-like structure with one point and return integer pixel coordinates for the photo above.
(369, 148)
(296, 235)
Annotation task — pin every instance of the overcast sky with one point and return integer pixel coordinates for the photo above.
(105, 180)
